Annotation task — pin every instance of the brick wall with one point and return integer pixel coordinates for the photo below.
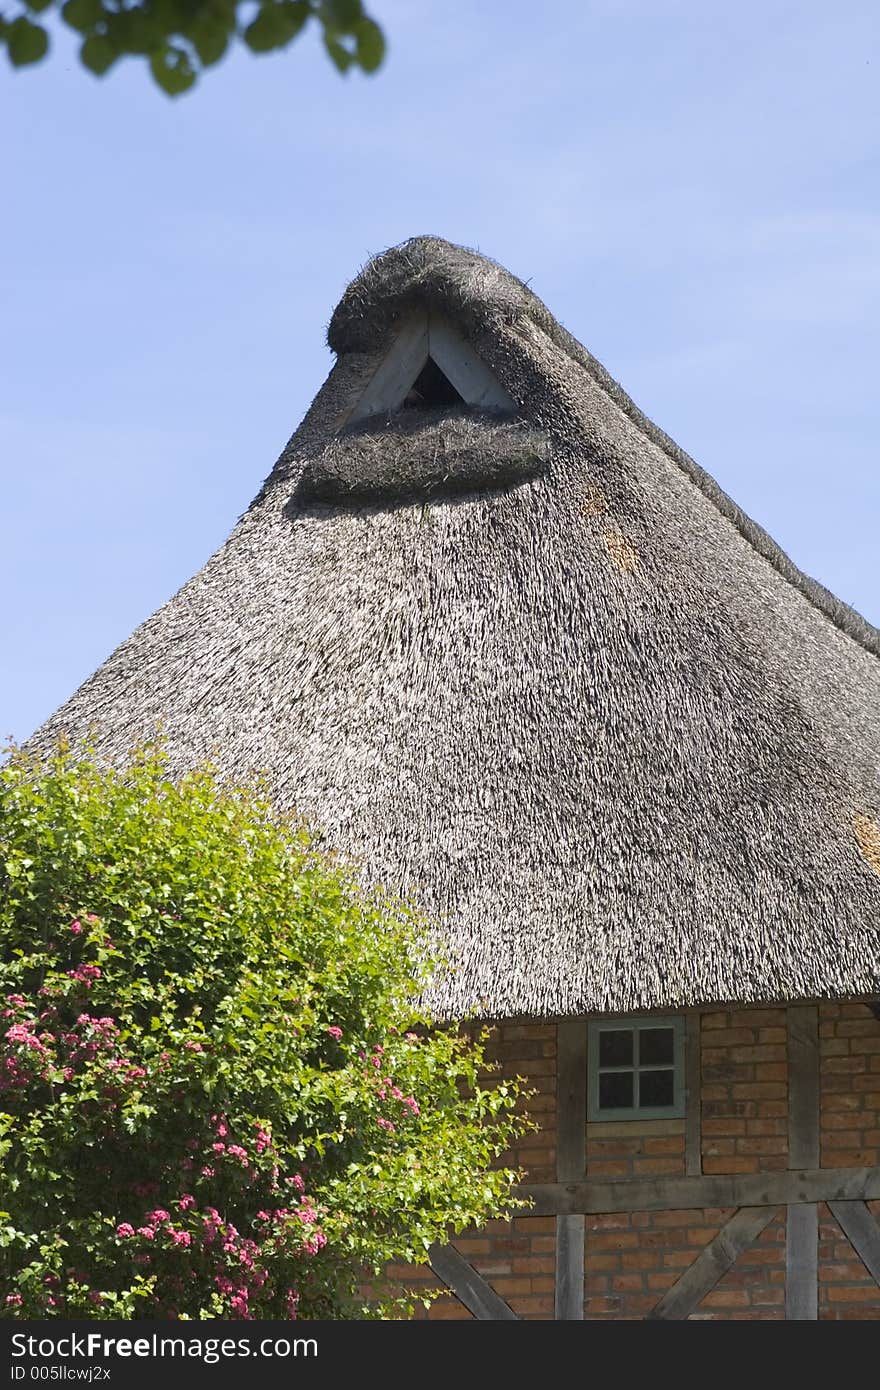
(846, 1290)
(631, 1259)
(744, 1060)
(849, 1071)
(753, 1289)
(635, 1149)
(849, 1068)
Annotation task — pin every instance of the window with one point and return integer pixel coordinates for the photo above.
(636, 1069)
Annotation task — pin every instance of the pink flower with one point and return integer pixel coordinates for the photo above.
(385, 1124)
(76, 927)
(219, 1148)
(158, 1215)
(236, 1151)
(124, 1230)
(335, 1032)
(147, 1232)
(186, 1201)
(95, 1297)
(207, 1172)
(182, 1238)
(14, 1300)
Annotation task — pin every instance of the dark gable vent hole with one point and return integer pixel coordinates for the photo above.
(431, 389)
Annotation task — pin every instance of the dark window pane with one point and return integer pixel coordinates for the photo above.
(615, 1090)
(616, 1047)
(656, 1088)
(655, 1046)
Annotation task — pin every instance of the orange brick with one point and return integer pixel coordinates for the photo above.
(726, 1298)
(725, 1125)
(715, 1020)
(771, 1071)
(701, 1235)
(843, 1066)
(639, 1259)
(766, 1127)
(760, 1090)
(762, 1052)
(838, 1293)
(648, 1166)
(737, 1164)
(602, 1305)
(597, 1283)
(673, 1145)
(599, 1262)
(526, 1304)
(614, 1240)
(673, 1218)
(534, 1264)
(774, 1145)
(849, 1158)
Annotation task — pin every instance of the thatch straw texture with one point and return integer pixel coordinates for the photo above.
(420, 452)
(587, 714)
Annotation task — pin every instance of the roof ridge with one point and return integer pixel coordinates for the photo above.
(475, 288)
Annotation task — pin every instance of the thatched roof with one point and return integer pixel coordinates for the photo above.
(539, 673)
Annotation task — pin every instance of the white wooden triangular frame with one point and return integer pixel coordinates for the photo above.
(425, 334)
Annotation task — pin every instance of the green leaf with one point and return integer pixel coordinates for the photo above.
(38, 5)
(275, 25)
(172, 70)
(338, 53)
(370, 45)
(26, 42)
(97, 54)
(342, 15)
(210, 42)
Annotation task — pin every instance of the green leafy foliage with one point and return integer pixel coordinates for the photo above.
(218, 1096)
(180, 38)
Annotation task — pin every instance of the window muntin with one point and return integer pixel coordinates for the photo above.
(636, 1069)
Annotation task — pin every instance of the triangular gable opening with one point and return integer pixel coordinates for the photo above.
(431, 389)
(430, 365)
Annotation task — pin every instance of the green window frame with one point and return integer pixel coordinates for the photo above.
(635, 1069)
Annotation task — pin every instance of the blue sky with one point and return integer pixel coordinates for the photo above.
(692, 187)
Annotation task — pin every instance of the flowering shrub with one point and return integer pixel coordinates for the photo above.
(218, 1097)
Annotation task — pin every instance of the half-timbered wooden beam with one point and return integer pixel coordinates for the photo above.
(688, 1292)
(862, 1232)
(470, 1287)
(718, 1190)
(693, 1155)
(802, 1220)
(571, 1126)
